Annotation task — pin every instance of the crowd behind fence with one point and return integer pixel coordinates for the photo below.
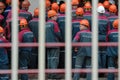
(43, 47)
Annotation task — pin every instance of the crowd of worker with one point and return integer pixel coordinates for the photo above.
(55, 32)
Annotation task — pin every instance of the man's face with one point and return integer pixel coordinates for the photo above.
(1, 10)
(2, 7)
(25, 7)
(81, 27)
(87, 9)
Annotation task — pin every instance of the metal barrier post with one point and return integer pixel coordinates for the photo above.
(94, 40)
(119, 40)
(68, 38)
(14, 40)
(41, 58)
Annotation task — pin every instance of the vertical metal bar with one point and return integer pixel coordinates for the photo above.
(14, 40)
(68, 38)
(41, 58)
(94, 40)
(119, 41)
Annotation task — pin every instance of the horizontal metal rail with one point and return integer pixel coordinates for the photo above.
(35, 71)
(60, 44)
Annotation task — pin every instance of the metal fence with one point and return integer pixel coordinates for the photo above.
(68, 45)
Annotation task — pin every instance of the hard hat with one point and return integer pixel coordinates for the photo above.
(79, 0)
(8, 1)
(106, 4)
(84, 22)
(62, 7)
(23, 22)
(55, 7)
(101, 9)
(48, 3)
(79, 11)
(100, 4)
(2, 5)
(1, 30)
(87, 5)
(51, 13)
(36, 12)
(113, 8)
(115, 23)
(75, 2)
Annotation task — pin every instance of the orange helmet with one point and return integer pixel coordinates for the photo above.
(1, 30)
(75, 2)
(87, 5)
(8, 1)
(79, 0)
(23, 22)
(36, 12)
(106, 4)
(55, 7)
(79, 11)
(100, 4)
(84, 22)
(113, 8)
(62, 8)
(115, 23)
(48, 3)
(51, 13)
(2, 5)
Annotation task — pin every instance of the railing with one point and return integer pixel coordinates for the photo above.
(68, 45)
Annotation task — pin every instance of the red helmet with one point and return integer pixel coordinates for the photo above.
(1, 30)
(87, 5)
(84, 22)
(55, 7)
(113, 8)
(8, 1)
(106, 4)
(100, 4)
(51, 13)
(75, 2)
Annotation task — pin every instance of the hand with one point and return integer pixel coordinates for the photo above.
(4, 37)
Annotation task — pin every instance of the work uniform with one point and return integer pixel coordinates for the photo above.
(112, 52)
(111, 18)
(102, 32)
(8, 28)
(27, 15)
(83, 56)
(61, 24)
(25, 36)
(52, 35)
(33, 26)
(4, 59)
(87, 15)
